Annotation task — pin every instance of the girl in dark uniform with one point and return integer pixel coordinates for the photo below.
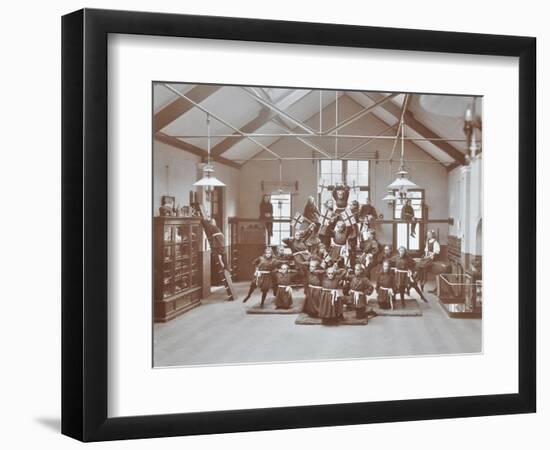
(368, 262)
(298, 245)
(385, 255)
(331, 308)
(311, 212)
(403, 268)
(266, 213)
(353, 234)
(384, 286)
(218, 241)
(368, 214)
(407, 214)
(339, 243)
(322, 254)
(367, 241)
(282, 257)
(262, 277)
(283, 299)
(431, 255)
(327, 222)
(313, 280)
(359, 288)
(340, 194)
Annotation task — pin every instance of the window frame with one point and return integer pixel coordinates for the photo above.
(344, 177)
(421, 226)
(279, 220)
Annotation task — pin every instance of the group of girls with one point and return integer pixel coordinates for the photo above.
(333, 259)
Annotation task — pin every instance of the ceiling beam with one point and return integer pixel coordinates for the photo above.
(265, 116)
(255, 124)
(368, 141)
(420, 128)
(452, 166)
(219, 119)
(182, 145)
(279, 111)
(358, 115)
(180, 106)
(424, 131)
(277, 121)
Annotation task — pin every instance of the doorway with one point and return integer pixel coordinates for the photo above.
(217, 213)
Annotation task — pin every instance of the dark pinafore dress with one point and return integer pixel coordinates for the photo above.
(359, 288)
(264, 266)
(384, 286)
(283, 299)
(401, 268)
(313, 292)
(330, 304)
(338, 246)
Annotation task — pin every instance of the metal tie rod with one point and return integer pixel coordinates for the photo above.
(219, 119)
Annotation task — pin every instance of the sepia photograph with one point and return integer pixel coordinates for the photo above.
(299, 224)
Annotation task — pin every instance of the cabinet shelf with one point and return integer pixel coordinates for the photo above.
(178, 267)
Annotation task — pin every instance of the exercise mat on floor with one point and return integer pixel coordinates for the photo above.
(412, 308)
(349, 319)
(270, 307)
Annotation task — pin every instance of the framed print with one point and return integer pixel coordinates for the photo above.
(274, 225)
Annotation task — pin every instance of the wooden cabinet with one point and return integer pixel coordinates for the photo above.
(178, 273)
(247, 242)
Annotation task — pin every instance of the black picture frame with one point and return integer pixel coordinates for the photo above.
(168, 198)
(84, 224)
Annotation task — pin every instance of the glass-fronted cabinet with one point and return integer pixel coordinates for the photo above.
(177, 266)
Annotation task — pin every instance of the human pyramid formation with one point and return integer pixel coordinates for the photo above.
(334, 255)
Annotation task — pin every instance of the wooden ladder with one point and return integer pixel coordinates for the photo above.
(225, 274)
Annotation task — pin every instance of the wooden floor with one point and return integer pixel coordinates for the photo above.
(219, 332)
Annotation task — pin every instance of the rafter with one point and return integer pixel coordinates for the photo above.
(182, 145)
(180, 106)
(221, 120)
(453, 166)
(266, 115)
(421, 129)
(358, 115)
(279, 111)
(260, 120)
(277, 121)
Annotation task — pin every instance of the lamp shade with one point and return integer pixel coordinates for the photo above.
(390, 198)
(208, 181)
(402, 183)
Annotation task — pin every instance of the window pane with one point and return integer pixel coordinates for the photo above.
(404, 238)
(336, 166)
(281, 205)
(360, 196)
(357, 173)
(352, 179)
(286, 210)
(363, 166)
(401, 235)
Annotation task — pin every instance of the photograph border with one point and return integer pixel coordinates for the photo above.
(85, 236)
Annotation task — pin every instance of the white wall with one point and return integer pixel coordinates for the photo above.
(183, 172)
(178, 181)
(466, 212)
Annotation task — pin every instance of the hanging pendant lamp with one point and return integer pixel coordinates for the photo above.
(208, 180)
(402, 183)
